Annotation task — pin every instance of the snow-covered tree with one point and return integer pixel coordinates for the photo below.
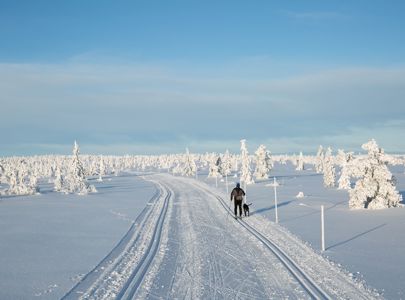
(219, 165)
(177, 168)
(13, 182)
(2, 171)
(226, 164)
(300, 163)
(328, 169)
(75, 181)
(340, 159)
(264, 163)
(344, 179)
(245, 173)
(17, 177)
(319, 160)
(189, 166)
(375, 188)
(33, 182)
(58, 182)
(213, 168)
(101, 169)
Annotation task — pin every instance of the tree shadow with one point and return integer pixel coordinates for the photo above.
(314, 212)
(356, 236)
(18, 197)
(106, 187)
(336, 204)
(264, 209)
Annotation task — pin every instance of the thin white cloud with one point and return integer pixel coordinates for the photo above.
(315, 15)
(145, 105)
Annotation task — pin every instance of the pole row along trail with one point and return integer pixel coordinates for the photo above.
(186, 244)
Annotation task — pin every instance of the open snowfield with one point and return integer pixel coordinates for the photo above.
(164, 236)
(50, 241)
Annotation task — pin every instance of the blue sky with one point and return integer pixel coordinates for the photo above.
(160, 76)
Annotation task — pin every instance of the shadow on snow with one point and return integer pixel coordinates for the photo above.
(356, 236)
(264, 209)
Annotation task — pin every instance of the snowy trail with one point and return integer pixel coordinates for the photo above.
(210, 255)
(320, 277)
(186, 244)
(305, 281)
(120, 272)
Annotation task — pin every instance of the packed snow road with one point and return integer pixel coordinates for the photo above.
(186, 244)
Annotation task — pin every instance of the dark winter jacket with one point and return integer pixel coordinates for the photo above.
(237, 194)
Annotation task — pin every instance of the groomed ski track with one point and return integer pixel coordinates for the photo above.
(121, 272)
(186, 244)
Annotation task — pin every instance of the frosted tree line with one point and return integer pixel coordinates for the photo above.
(366, 177)
(375, 187)
(374, 184)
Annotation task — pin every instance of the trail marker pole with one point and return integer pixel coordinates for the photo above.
(275, 198)
(322, 229)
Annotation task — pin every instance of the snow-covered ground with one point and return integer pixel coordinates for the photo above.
(50, 242)
(368, 243)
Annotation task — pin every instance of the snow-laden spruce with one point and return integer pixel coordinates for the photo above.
(189, 166)
(2, 170)
(226, 164)
(328, 169)
(375, 188)
(75, 180)
(21, 178)
(101, 169)
(214, 167)
(264, 163)
(59, 180)
(300, 162)
(320, 155)
(245, 172)
(344, 179)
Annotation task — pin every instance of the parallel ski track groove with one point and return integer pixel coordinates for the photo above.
(136, 278)
(311, 287)
(305, 281)
(121, 244)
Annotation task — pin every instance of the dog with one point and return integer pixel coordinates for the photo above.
(246, 209)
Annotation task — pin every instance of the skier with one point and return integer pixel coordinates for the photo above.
(237, 195)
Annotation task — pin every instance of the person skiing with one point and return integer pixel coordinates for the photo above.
(237, 195)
